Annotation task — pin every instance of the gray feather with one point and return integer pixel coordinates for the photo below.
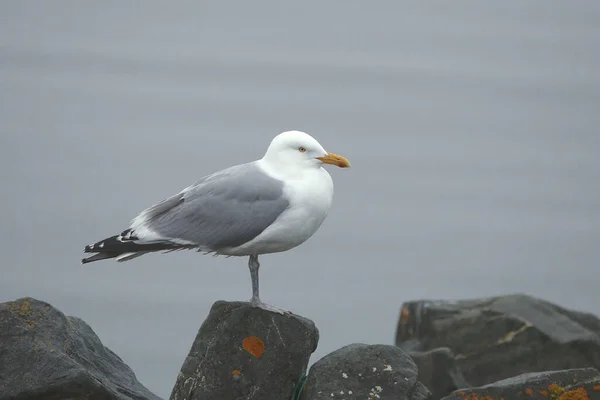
(225, 209)
(163, 206)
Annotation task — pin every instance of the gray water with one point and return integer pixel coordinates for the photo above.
(472, 128)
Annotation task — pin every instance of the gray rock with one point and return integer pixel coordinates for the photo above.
(573, 384)
(244, 352)
(360, 371)
(46, 355)
(438, 371)
(501, 337)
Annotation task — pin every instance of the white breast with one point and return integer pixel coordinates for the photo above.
(310, 198)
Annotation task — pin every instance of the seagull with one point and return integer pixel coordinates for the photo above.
(265, 206)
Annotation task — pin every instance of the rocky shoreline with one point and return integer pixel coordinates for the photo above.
(507, 347)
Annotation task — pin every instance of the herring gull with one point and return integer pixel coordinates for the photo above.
(265, 206)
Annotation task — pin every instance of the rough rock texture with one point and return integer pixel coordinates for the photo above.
(46, 355)
(574, 384)
(438, 371)
(360, 371)
(244, 352)
(501, 337)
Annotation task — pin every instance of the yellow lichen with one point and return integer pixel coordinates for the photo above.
(509, 337)
(555, 389)
(23, 311)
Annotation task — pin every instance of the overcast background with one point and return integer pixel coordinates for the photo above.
(472, 128)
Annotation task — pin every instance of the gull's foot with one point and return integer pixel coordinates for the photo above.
(267, 307)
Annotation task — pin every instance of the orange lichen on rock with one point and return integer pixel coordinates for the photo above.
(404, 314)
(236, 372)
(576, 394)
(597, 388)
(529, 391)
(254, 346)
(544, 393)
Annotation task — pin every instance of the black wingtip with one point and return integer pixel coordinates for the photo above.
(87, 260)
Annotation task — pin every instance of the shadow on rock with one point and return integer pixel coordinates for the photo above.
(438, 371)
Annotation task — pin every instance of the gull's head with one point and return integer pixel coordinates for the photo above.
(299, 149)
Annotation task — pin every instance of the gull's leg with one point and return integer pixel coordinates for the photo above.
(254, 265)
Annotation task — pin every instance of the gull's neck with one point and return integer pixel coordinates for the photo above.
(282, 170)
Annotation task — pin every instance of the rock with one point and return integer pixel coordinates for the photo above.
(438, 371)
(572, 384)
(243, 352)
(501, 337)
(360, 371)
(46, 355)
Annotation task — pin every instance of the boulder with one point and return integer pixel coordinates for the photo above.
(243, 352)
(47, 355)
(360, 371)
(438, 371)
(573, 384)
(501, 337)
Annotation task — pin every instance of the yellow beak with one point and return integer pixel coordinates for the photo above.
(334, 159)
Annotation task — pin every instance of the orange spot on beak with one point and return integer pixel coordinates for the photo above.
(254, 346)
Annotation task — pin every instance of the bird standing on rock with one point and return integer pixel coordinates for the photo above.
(265, 206)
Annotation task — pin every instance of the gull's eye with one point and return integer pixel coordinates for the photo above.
(302, 149)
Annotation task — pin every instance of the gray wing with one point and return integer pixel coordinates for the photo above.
(225, 209)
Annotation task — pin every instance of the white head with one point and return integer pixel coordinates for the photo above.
(299, 149)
